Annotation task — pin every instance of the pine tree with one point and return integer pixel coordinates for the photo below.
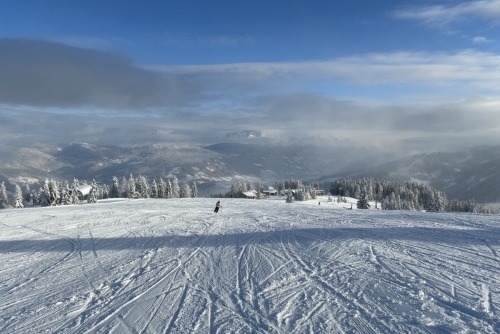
(44, 194)
(54, 192)
(123, 188)
(312, 191)
(153, 191)
(185, 191)
(115, 188)
(161, 189)
(168, 189)
(18, 197)
(142, 187)
(73, 197)
(28, 200)
(34, 198)
(131, 193)
(4, 201)
(64, 193)
(175, 187)
(194, 190)
(363, 202)
(93, 193)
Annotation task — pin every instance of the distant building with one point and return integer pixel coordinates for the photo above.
(270, 192)
(320, 192)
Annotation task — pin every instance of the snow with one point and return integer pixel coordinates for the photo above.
(259, 266)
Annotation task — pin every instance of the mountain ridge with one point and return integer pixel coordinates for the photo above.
(470, 173)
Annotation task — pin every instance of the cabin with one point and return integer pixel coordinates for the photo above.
(270, 191)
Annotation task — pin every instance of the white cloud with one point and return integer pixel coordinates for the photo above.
(87, 42)
(193, 40)
(445, 15)
(469, 71)
(480, 40)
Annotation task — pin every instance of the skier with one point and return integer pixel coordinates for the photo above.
(217, 206)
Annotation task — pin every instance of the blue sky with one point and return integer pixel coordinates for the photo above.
(391, 71)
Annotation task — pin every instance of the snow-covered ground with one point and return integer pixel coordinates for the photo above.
(259, 266)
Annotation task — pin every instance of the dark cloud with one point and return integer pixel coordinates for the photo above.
(47, 74)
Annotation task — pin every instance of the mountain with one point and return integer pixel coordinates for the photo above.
(214, 167)
(470, 173)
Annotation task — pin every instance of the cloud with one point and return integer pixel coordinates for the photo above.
(480, 40)
(442, 16)
(54, 92)
(87, 42)
(48, 74)
(472, 71)
(184, 39)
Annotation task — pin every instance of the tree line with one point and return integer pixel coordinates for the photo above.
(391, 195)
(403, 196)
(54, 192)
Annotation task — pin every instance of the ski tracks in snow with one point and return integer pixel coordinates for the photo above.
(172, 266)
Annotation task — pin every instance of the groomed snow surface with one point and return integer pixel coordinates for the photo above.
(259, 266)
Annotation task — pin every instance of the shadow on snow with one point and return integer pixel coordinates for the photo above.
(302, 236)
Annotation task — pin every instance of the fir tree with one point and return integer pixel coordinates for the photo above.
(131, 193)
(161, 189)
(115, 188)
(28, 200)
(54, 192)
(123, 188)
(175, 187)
(18, 197)
(194, 190)
(4, 201)
(142, 187)
(185, 191)
(44, 194)
(93, 193)
(363, 202)
(73, 196)
(168, 189)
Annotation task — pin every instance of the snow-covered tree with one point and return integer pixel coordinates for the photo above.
(93, 193)
(53, 192)
(168, 190)
(142, 187)
(4, 200)
(73, 196)
(312, 191)
(161, 188)
(185, 191)
(131, 193)
(18, 197)
(175, 187)
(115, 188)
(34, 197)
(194, 190)
(44, 194)
(28, 200)
(363, 202)
(153, 190)
(124, 188)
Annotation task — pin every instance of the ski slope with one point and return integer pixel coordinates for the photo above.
(259, 266)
